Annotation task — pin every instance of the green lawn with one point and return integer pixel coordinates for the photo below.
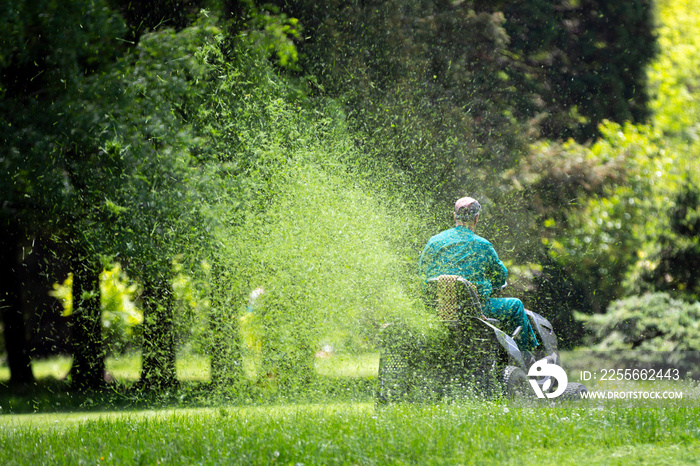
(358, 433)
(352, 431)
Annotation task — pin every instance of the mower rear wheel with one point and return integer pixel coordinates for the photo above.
(515, 383)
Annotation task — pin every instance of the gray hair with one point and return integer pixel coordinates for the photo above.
(469, 212)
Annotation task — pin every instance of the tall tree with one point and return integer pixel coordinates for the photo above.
(225, 345)
(11, 308)
(97, 144)
(46, 53)
(579, 62)
(158, 347)
(88, 367)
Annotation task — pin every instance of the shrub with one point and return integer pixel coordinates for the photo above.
(651, 322)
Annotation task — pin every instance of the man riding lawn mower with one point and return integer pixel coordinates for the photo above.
(490, 344)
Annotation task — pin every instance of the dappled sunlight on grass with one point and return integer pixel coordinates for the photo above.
(56, 367)
(196, 367)
(122, 368)
(189, 367)
(49, 420)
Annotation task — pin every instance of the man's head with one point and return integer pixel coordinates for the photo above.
(467, 211)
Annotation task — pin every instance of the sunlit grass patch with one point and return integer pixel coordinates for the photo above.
(196, 367)
(348, 365)
(189, 367)
(193, 367)
(122, 368)
(56, 367)
(643, 454)
(126, 367)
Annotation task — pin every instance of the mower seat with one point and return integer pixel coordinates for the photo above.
(454, 298)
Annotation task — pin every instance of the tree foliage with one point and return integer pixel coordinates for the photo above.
(453, 91)
(673, 76)
(602, 204)
(621, 211)
(580, 63)
(97, 149)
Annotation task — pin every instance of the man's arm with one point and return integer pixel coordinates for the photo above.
(496, 270)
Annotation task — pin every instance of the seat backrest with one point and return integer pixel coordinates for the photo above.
(454, 298)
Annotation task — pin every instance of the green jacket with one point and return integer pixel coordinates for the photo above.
(459, 251)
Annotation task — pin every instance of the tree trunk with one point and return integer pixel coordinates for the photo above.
(11, 307)
(225, 350)
(226, 363)
(88, 368)
(158, 349)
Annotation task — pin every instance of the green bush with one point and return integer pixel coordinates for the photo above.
(651, 322)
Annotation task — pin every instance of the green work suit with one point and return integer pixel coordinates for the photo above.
(459, 251)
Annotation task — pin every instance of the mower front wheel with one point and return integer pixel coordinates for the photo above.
(574, 391)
